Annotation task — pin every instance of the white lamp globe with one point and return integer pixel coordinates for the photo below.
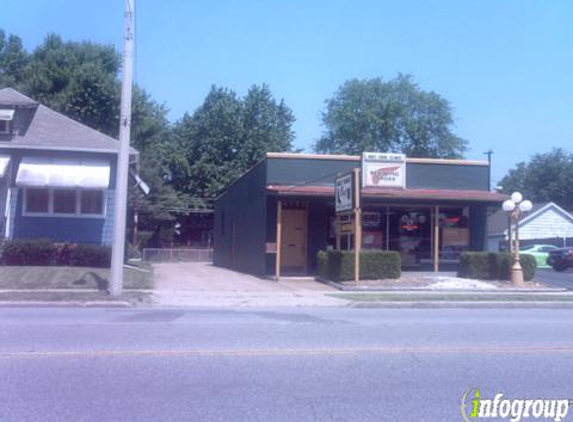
(508, 205)
(526, 206)
(516, 197)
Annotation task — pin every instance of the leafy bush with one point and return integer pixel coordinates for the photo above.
(28, 252)
(321, 263)
(44, 252)
(339, 265)
(494, 266)
(91, 256)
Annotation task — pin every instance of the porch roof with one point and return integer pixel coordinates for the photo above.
(392, 193)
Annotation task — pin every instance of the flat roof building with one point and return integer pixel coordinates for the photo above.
(429, 210)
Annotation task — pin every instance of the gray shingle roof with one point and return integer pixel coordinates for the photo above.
(48, 129)
(497, 222)
(11, 97)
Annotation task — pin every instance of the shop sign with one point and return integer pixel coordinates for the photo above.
(344, 193)
(346, 227)
(383, 170)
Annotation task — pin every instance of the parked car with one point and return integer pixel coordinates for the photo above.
(540, 252)
(561, 259)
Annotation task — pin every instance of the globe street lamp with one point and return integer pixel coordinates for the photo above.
(515, 208)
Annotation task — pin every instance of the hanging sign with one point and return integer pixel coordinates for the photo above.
(383, 170)
(344, 193)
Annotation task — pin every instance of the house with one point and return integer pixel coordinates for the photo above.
(429, 210)
(57, 175)
(546, 223)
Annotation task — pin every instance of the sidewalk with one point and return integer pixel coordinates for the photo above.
(203, 285)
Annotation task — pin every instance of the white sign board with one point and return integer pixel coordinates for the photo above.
(344, 193)
(383, 170)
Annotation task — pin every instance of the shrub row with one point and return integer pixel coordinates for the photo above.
(494, 266)
(339, 265)
(44, 252)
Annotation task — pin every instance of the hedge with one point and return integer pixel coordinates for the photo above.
(44, 252)
(494, 266)
(29, 252)
(339, 265)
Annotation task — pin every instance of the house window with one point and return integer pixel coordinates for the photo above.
(64, 202)
(4, 127)
(37, 200)
(91, 202)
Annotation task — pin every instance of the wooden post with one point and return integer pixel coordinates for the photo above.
(279, 240)
(436, 238)
(337, 232)
(357, 226)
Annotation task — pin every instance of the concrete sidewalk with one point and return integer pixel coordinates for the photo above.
(202, 284)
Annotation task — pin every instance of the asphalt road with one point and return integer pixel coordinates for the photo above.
(269, 365)
(555, 278)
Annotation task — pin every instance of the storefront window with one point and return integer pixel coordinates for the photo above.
(455, 233)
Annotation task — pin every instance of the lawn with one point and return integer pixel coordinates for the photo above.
(39, 277)
(453, 297)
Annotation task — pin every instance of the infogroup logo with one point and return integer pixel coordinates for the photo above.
(474, 407)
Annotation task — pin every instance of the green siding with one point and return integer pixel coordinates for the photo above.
(446, 176)
(240, 223)
(297, 171)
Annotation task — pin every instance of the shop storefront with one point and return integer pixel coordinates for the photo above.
(275, 218)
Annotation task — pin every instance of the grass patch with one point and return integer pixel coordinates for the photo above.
(445, 297)
(40, 277)
(132, 297)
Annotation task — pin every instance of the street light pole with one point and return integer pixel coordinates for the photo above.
(515, 208)
(118, 248)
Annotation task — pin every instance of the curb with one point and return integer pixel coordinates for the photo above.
(67, 304)
(465, 304)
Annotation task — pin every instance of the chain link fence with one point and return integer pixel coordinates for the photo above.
(178, 255)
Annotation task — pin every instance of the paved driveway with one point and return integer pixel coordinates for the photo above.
(555, 279)
(202, 284)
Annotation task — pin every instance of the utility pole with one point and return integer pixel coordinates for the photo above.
(118, 248)
(489, 153)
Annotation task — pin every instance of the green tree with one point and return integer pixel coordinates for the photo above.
(80, 80)
(226, 136)
(398, 116)
(546, 177)
(13, 59)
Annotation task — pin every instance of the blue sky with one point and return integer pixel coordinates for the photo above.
(505, 66)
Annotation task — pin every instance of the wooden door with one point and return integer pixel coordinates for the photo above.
(293, 250)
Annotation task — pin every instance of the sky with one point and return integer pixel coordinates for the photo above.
(506, 66)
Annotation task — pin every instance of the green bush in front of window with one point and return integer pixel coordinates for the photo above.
(90, 256)
(44, 252)
(28, 252)
(374, 265)
(494, 266)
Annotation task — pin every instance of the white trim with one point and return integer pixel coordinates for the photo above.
(51, 213)
(6, 114)
(542, 210)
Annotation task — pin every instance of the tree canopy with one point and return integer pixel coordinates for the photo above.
(227, 135)
(397, 116)
(546, 177)
(80, 80)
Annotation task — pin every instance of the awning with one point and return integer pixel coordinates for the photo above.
(6, 114)
(391, 194)
(4, 160)
(63, 173)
